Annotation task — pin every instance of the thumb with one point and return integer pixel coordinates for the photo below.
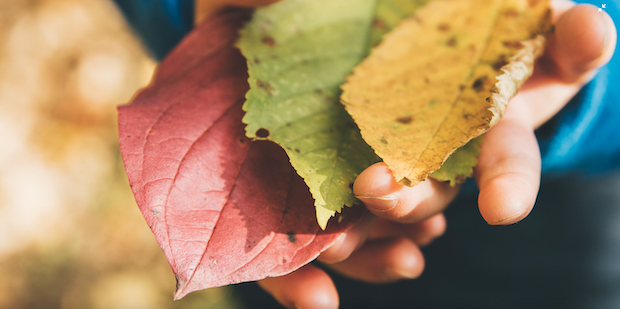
(584, 39)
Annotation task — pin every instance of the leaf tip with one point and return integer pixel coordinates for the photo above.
(180, 288)
(323, 215)
(406, 182)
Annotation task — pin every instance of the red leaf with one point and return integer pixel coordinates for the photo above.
(224, 209)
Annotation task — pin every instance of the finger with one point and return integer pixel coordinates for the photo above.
(509, 167)
(421, 233)
(584, 39)
(349, 241)
(387, 199)
(382, 261)
(508, 171)
(308, 287)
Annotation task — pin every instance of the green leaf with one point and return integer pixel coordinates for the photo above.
(460, 164)
(299, 53)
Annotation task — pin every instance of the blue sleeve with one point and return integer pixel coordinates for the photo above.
(161, 24)
(585, 135)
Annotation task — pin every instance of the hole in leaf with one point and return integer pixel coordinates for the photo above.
(262, 133)
(291, 237)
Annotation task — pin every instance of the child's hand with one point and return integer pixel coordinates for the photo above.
(508, 174)
(384, 246)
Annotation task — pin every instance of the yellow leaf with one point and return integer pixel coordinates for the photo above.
(443, 77)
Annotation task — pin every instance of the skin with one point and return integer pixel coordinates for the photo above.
(385, 245)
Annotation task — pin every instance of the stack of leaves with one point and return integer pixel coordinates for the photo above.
(427, 90)
(299, 53)
(227, 207)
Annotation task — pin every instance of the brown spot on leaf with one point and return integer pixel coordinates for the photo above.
(297, 150)
(479, 83)
(383, 141)
(379, 24)
(511, 13)
(256, 61)
(533, 3)
(262, 133)
(451, 41)
(443, 27)
(488, 99)
(500, 62)
(404, 120)
(513, 44)
(265, 86)
(269, 41)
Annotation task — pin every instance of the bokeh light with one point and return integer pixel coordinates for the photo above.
(71, 235)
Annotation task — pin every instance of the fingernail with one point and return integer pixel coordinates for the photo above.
(512, 219)
(607, 34)
(403, 273)
(379, 203)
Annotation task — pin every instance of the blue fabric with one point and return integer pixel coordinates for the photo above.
(161, 24)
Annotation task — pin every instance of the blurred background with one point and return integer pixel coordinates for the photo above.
(71, 235)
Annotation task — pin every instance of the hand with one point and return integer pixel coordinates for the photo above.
(384, 246)
(508, 174)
